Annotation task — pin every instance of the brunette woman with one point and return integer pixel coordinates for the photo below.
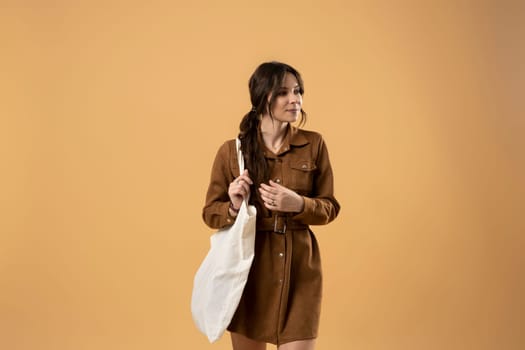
(289, 179)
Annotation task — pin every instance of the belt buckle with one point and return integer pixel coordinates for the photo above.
(282, 229)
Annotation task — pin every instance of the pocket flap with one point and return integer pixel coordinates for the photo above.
(304, 165)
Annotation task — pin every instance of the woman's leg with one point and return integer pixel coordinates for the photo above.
(298, 345)
(240, 342)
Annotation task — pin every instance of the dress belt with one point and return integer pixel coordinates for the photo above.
(279, 224)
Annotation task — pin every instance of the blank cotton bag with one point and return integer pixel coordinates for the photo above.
(219, 282)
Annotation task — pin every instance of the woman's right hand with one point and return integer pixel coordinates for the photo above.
(240, 189)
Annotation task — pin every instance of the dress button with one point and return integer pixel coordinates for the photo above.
(303, 166)
(281, 254)
(229, 220)
(278, 180)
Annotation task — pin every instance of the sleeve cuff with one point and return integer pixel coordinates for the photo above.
(308, 210)
(229, 220)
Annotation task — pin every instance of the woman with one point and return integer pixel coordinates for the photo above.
(289, 179)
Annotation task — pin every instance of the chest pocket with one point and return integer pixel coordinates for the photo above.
(302, 174)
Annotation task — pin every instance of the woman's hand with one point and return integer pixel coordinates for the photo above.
(280, 198)
(239, 189)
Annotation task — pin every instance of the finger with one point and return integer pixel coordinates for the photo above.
(275, 184)
(243, 179)
(233, 188)
(244, 176)
(235, 199)
(268, 198)
(267, 188)
(263, 194)
(270, 205)
(266, 194)
(238, 187)
(242, 193)
(245, 188)
(247, 180)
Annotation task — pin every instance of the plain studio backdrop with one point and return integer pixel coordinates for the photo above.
(111, 114)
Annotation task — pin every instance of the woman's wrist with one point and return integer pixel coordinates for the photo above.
(233, 211)
(301, 205)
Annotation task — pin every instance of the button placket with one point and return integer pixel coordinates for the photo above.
(280, 261)
(277, 171)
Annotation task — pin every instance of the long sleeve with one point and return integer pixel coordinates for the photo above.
(321, 207)
(215, 212)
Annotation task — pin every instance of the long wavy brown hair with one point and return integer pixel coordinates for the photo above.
(264, 82)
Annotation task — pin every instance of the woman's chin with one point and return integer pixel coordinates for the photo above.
(288, 118)
(292, 117)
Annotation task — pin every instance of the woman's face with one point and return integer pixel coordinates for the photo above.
(287, 105)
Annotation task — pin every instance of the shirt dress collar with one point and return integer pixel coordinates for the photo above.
(293, 138)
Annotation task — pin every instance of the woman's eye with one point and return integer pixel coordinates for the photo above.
(298, 92)
(282, 93)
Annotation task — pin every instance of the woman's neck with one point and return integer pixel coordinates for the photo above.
(273, 133)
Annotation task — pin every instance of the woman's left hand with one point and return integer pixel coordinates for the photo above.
(280, 198)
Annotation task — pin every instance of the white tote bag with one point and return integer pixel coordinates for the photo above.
(220, 280)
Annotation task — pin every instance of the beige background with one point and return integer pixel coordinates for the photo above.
(111, 113)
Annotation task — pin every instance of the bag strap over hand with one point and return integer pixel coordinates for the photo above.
(240, 158)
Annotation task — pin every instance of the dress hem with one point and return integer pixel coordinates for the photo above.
(281, 341)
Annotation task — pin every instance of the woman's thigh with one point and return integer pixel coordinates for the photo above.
(240, 342)
(299, 345)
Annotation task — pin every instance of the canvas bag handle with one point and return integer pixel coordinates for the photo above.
(240, 160)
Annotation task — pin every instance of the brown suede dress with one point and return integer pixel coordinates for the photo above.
(282, 298)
